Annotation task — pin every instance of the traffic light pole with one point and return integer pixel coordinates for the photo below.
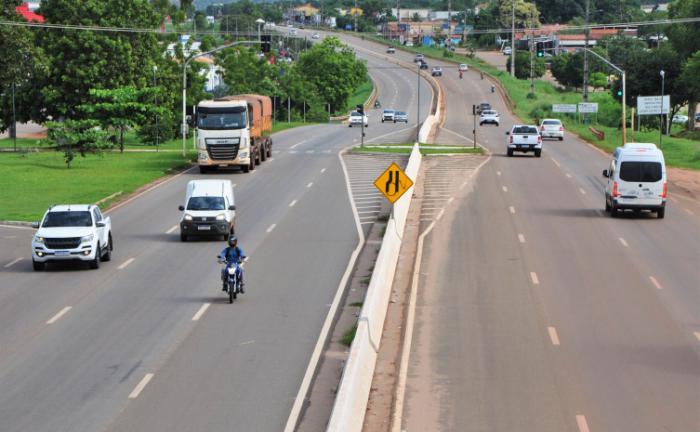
(624, 92)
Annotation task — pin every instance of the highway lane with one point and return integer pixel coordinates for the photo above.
(538, 312)
(110, 329)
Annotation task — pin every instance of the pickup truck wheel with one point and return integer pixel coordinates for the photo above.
(183, 237)
(108, 252)
(660, 213)
(510, 152)
(538, 153)
(95, 263)
(561, 138)
(38, 266)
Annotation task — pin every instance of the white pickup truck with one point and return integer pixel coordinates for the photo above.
(524, 138)
(72, 233)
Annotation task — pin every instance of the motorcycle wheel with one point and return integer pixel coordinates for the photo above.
(231, 295)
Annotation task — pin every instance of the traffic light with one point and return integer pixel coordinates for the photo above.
(360, 108)
(540, 53)
(265, 43)
(619, 93)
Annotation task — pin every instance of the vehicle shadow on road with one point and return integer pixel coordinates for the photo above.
(213, 299)
(575, 212)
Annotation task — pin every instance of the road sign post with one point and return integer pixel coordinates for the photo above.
(393, 183)
(474, 130)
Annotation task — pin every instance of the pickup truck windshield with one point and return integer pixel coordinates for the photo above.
(221, 118)
(206, 203)
(525, 130)
(67, 219)
(640, 171)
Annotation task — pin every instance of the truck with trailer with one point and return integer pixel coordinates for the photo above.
(234, 131)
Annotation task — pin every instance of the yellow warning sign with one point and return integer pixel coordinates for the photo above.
(393, 183)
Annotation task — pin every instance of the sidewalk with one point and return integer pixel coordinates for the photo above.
(27, 130)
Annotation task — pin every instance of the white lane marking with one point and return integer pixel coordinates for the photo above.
(310, 151)
(535, 280)
(171, 229)
(247, 342)
(624, 243)
(291, 204)
(297, 144)
(511, 209)
(498, 173)
(505, 189)
(555, 162)
(126, 263)
(59, 315)
(690, 212)
(439, 216)
(309, 185)
(10, 264)
(582, 191)
(568, 175)
(292, 152)
(323, 170)
(271, 228)
(201, 311)
(553, 335)
(697, 335)
(450, 200)
(582, 424)
(521, 238)
(140, 386)
(655, 282)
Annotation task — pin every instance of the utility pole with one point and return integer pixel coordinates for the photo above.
(418, 107)
(585, 54)
(532, 54)
(512, 43)
(355, 25)
(449, 21)
(661, 115)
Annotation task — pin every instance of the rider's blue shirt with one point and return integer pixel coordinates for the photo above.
(232, 254)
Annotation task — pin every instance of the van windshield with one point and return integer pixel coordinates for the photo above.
(206, 203)
(640, 171)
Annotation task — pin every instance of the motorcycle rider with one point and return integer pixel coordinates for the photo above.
(460, 74)
(233, 254)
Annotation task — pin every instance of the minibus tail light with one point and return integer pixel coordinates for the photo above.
(665, 192)
(615, 193)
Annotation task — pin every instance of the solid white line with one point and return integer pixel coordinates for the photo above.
(521, 238)
(582, 191)
(431, 208)
(19, 227)
(171, 229)
(439, 216)
(582, 424)
(59, 315)
(323, 335)
(126, 263)
(553, 335)
(271, 228)
(10, 264)
(309, 185)
(323, 170)
(624, 243)
(535, 280)
(200, 312)
(655, 282)
(291, 204)
(505, 189)
(140, 386)
(511, 209)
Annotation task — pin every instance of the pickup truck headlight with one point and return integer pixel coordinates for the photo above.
(188, 217)
(221, 217)
(38, 239)
(87, 239)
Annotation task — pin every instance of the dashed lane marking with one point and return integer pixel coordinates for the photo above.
(582, 191)
(655, 282)
(521, 238)
(291, 204)
(498, 173)
(556, 163)
(582, 424)
(535, 280)
(309, 185)
(140, 386)
(568, 175)
(201, 311)
(697, 335)
(269, 230)
(553, 335)
(59, 315)
(323, 170)
(11, 263)
(511, 209)
(505, 189)
(126, 263)
(298, 144)
(624, 243)
(174, 227)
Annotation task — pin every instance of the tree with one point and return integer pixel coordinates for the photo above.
(598, 80)
(689, 81)
(82, 60)
(522, 65)
(526, 14)
(244, 72)
(416, 17)
(560, 11)
(82, 136)
(685, 37)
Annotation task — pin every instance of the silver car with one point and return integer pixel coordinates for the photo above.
(400, 116)
(490, 117)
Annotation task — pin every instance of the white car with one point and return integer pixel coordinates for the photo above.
(552, 128)
(489, 116)
(679, 118)
(357, 119)
(315, 36)
(463, 67)
(388, 115)
(507, 51)
(72, 233)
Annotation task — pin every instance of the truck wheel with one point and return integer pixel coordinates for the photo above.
(269, 149)
(538, 153)
(252, 163)
(246, 168)
(203, 169)
(510, 152)
(183, 237)
(660, 213)
(38, 266)
(263, 153)
(95, 263)
(108, 253)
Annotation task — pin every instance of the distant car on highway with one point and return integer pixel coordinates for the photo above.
(391, 50)
(483, 107)
(524, 138)
(681, 119)
(463, 67)
(489, 117)
(552, 128)
(423, 65)
(437, 71)
(507, 51)
(357, 119)
(315, 36)
(388, 115)
(72, 233)
(400, 116)
(636, 180)
(419, 58)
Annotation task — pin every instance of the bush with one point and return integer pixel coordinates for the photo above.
(149, 134)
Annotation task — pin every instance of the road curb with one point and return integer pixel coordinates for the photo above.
(15, 223)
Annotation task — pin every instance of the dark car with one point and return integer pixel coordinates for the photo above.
(423, 65)
(483, 107)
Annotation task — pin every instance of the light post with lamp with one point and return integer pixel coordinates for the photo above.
(661, 113)
(259, 22)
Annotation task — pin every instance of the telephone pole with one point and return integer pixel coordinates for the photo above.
(512, 44)
(585, 54)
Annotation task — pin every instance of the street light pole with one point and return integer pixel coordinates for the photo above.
(661, 114)
(155, 102)
(624, 92)
(512, 43)
(585, 55)
(418, 107)
(184, 84)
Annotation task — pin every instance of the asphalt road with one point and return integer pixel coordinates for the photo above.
(538, 312)
(148, 342)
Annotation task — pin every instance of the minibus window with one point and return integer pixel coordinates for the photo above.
(640, 171)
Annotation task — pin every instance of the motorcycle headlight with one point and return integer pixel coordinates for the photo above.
(39, 239)
(221, 217)
(88, 238)
(188, 217)
(231, 271)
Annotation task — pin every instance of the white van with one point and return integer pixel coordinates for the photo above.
(209, 209)
(636, 180)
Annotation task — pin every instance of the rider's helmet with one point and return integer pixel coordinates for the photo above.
(232, 240)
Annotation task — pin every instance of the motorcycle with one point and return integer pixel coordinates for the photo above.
(493, 89)
(232, 284)
(377, 104)
(460, 74)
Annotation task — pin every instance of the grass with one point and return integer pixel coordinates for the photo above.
(33, 181)
(356, 304)
(348, 336)
(359, 97)
(22, 143)
(678, 151)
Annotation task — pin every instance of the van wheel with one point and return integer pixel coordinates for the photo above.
(613, 212)
(510, 152)
(38, 266)
(660, 213)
